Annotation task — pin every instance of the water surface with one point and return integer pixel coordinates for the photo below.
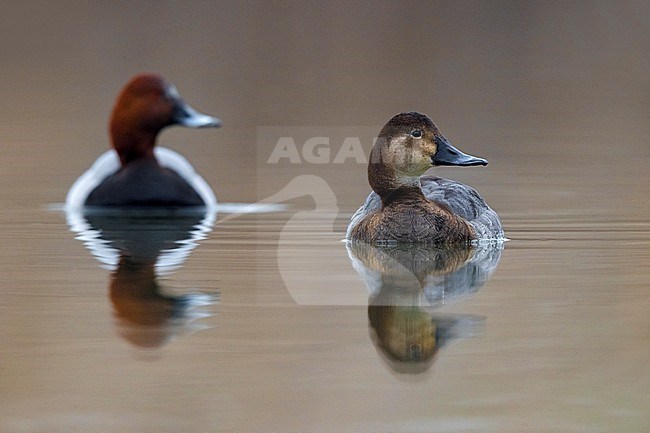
(264, 321)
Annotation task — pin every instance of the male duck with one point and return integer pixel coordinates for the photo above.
(134, 173)
(407, 208)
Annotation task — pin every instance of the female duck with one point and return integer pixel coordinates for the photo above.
(405, 207)
(134, 173)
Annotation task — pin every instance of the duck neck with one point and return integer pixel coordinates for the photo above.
(391, 186)
(133, 145)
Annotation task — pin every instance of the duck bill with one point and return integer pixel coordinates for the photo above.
(189, 117)
(446, 154)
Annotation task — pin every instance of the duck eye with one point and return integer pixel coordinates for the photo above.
(416, 133)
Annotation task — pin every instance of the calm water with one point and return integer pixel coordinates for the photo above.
(262, 320)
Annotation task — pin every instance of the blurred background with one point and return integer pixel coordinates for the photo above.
(561, 86)
(555, 94)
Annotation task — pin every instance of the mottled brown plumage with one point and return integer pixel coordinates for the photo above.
(407, 208)
(407, 216)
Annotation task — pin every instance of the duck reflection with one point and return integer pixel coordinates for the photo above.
(406, 282)
(139, 247)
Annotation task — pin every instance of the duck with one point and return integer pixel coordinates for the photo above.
(407, 207)
(136, 172)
